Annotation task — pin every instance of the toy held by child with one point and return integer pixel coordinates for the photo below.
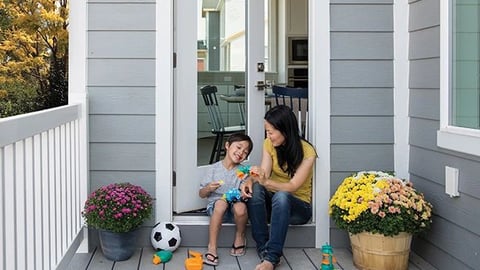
(232, 195)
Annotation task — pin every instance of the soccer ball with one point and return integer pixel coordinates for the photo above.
(165, 236)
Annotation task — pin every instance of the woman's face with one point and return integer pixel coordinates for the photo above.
(274, 135)
(237, 151)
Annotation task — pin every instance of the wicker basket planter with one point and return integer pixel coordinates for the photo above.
(379, 252)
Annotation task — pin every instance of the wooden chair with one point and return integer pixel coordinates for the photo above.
(297, 100)
(209, 94)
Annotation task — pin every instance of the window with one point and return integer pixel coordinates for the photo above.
(460, 77)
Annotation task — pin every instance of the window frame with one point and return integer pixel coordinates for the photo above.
(460, 139)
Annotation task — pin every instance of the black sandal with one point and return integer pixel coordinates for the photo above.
(210, 259)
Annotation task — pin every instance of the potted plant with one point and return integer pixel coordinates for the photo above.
(382, 211)
(117, 210)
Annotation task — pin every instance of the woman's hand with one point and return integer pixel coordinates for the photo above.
(258, 175)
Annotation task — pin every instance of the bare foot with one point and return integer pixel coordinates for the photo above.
(265, 265)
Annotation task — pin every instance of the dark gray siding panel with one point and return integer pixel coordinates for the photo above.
(362, 129)
(424, 14)
(422, 131)
(425, 73)
(424, 103)
(454, 241)
(423, 43)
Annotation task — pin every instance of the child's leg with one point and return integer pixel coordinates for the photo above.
(241, 218)
(215, 225)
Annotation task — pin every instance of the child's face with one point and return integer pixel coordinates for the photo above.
(237, 151)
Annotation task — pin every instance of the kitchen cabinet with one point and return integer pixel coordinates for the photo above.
(297, 17)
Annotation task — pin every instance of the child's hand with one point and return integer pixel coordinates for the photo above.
(214, 185)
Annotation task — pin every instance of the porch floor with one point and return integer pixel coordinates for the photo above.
(294, 258)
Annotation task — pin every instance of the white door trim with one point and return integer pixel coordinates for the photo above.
(164, 110)
(319, 104)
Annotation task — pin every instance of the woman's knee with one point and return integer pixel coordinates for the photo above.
(281, 198)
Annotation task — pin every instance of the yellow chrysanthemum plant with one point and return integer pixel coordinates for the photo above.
(379, 202)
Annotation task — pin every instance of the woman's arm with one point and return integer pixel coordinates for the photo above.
(293, 185)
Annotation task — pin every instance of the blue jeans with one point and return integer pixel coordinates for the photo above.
(281, 209)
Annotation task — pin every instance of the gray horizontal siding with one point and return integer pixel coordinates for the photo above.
(425, 73)
(424, 48)
(362, 129)
(361, 91)
(121, 44)
(119, 100)
(424, 14)
(424, 103)
(350, 45)
(356, 17)
(122, 128)
(362, 157)
(121, 16)
(121, 72)
(121, 91)
(362, 73)
(122, 157)
(352, 101)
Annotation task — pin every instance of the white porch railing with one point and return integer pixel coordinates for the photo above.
(41, 188)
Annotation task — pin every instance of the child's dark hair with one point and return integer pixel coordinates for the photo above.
(283, 119)
(238, 137)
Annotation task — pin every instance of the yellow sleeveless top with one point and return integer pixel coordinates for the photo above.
(304, 193)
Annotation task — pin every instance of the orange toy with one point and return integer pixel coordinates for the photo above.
(195, 262)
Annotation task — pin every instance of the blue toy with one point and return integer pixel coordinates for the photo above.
(232, 195)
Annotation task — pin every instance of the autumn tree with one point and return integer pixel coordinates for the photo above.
(34, 50)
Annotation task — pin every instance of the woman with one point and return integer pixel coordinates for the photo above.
(280, 190)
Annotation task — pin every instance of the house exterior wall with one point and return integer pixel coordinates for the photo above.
(454, 241)
(121, 90)
(362, 118)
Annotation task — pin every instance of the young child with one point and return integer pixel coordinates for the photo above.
(220, 178)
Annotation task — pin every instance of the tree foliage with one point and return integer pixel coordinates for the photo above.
(34, 52)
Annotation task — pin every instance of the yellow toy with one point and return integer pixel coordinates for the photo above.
(195, 262)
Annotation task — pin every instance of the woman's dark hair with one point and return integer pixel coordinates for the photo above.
(283, 119)
(238, 137)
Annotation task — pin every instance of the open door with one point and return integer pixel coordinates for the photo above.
(212, 48)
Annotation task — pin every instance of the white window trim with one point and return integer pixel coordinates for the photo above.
(454, 138)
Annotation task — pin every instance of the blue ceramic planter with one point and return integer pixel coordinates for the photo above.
(118, 246)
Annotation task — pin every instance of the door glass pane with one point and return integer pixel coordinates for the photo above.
(220, 63)
(466, 65)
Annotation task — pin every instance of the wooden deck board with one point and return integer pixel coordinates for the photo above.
(293, 259)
